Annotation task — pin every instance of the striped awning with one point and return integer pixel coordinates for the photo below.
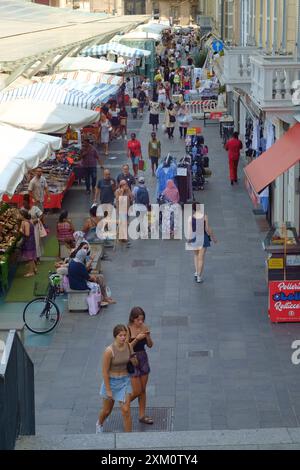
(83, 76)
(115, 48)
(67, 92)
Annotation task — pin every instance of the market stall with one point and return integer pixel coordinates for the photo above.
(68, 92)
(83, 76)
(58, 171)
(45, 116)
(115, 48)
(93, 65)
(22, 151)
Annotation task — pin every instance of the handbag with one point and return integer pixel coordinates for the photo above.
(132, 363)
(42, 230)
(141, 164)
(172, 118)
(20, 242)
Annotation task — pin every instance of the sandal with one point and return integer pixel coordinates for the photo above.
(146, 420)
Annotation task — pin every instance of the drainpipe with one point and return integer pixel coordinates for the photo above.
(223, 20)
(261, 11)
(298, 34)
(275, 27)
(268, 41)
(284, 27)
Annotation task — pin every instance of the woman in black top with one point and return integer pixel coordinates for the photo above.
(139, 337)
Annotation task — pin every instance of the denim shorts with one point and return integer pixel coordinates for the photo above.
(120, 387)
(135, 160)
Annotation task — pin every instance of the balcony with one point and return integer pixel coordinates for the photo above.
(237, 66)
(272, 81)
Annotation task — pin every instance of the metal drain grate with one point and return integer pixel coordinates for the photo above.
(138, 263)
(208, 353)
(261, 293)
(162, 420)
(174, 321)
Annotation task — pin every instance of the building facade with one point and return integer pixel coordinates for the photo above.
(259, 68)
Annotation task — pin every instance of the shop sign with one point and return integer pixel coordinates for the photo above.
(284, 301)
(275, 263)
(215, 116)
(194, 131)
(293, 260)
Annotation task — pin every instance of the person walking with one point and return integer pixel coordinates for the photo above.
(90, 158)
(142, 203)
(170, 120)
(125, 175)
(28, 249)
(142, 97)
(123, 191)
(134, 103)
(154, 152)
(199, 238)
(116, 385)
(184, 119)
(233, 146)
(106, 188)
(139, 338)
(154, 115)
(123, 122)
(162, 96)
(134, 152)
(36, 218)
(104, 132)
(37, 189)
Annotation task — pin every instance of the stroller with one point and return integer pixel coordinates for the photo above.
(198, 151)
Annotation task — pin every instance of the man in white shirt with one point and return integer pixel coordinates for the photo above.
(37, 189)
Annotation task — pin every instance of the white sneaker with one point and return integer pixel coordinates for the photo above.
(99, 428)
(195, 276)
(199, 279)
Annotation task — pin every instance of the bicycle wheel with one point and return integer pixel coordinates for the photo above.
(41, 315)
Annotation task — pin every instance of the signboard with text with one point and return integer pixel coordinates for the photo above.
(215, 116)
(194, 131)
(284, 301)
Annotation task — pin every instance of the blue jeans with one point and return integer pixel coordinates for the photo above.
(90, 174)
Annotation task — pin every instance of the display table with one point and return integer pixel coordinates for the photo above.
(54, 201)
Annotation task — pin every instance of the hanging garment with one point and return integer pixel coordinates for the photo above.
(163, 174)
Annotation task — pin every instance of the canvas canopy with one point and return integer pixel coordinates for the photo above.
(138, 35)
(88, 63)
(83, 76)
(44, 116)
(69, 92)
(22, 151)
(115, 48)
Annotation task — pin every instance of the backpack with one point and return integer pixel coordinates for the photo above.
(142, 196)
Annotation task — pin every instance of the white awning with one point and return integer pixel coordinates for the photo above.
(22, 151)
(82, 76)
(88, 63)
(115, 48)
(138, 35)
(44, 116)
(152, 28)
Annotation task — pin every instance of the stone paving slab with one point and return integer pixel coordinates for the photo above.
(248, 381)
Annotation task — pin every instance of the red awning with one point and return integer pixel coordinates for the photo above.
(284, 154)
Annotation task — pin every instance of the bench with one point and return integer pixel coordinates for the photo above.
(77, 300)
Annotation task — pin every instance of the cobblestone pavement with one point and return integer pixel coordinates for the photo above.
(217, 362)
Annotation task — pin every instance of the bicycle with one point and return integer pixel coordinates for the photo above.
(41, 315)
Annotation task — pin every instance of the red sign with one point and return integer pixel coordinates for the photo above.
(215, 116)
(284, 301)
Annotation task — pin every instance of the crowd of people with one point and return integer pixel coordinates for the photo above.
(125, 367)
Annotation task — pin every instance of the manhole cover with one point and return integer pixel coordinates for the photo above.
(200, 353)
(174, 321)
(162, 420)
(137, 263)
(261, 293)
